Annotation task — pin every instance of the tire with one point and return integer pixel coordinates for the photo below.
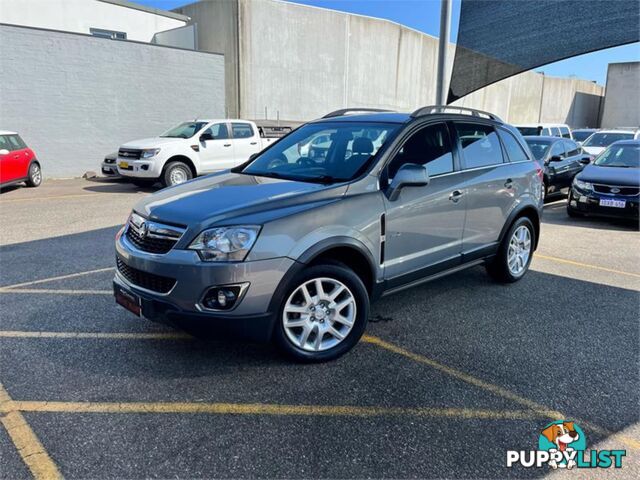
(499, 268)
(570, 211)
(301, 342)
(35, 175)
(144, 183)
(176, 173)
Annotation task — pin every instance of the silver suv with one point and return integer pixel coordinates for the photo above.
(296, 243)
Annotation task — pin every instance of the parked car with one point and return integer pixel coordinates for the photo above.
(601, 139)
(581, 134)
(562, 160)
(18, 163)
(109, 165)
(610, 186)
(190, 149)
(295, 250)
(546, 130)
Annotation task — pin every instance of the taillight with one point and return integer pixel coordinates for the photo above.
(539, 171)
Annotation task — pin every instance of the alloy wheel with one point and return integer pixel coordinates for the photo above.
(36, 174)
(519, 251)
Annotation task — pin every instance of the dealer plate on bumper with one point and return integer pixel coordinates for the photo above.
(609, 202)
(128, 299)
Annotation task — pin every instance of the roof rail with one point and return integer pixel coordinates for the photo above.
(431, 109)
(354, 111)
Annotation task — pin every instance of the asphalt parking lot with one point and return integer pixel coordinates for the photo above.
(449, 376)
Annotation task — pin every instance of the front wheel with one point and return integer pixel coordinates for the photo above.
(515, 253)
(323, 314)
(35, 175)
(176, 173)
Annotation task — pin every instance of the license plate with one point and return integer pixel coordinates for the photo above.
(128, 300)
(124, 164)
(608, 202)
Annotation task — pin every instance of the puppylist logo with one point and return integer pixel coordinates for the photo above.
(563, 444)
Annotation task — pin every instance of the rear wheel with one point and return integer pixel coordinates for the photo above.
(515, 253)
(35, 175)
(323, 313)
(176, 173)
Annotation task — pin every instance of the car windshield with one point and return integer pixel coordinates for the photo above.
(529, 130)
(581, 135)
(539, 148)
(622, 156)
(601, 139)
(185, 130)
(323, 152)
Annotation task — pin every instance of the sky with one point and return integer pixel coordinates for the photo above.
(424, 16)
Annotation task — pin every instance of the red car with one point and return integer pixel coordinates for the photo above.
(18, 163)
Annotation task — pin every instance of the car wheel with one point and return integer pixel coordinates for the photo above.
(35, 175)
(176, 173)
(570, 211)
(323, 314)
(144, 183)
(515, 253)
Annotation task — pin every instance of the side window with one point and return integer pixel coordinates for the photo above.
(545, 132)
(515, 152)
(571, 147)
(557, 149)
(564, 131)
(16, 142)
(4, 143)
(219, 131)
(242, 130)
(556, 132)
(480, 145)
(428, 146)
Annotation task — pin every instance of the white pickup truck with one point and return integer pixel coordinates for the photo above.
(192, 149)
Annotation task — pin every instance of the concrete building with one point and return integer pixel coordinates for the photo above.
(300, 62)
(622, 97)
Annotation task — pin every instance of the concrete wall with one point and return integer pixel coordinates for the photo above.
(301, 62)
(75, 98)
(81, 15)
(622, 98)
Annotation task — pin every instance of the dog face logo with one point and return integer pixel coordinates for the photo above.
(561, 434)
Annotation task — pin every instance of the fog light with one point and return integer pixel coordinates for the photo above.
(145, 167)
(222, 298)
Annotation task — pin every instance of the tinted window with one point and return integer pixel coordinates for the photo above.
(429, 146)
(557, 149)
(480, 145)
(515, 152)
(219, 131)
(571, 147)
(16, 142)
(564, 131)
(539, 148)
(241, 130)
(529, 130)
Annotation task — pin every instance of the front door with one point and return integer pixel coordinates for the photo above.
(216, 153)
(424, 224)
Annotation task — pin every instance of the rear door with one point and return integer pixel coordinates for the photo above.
(574, 154)
(559, 171)
(246, 141)
(490, 185)
(217, 152)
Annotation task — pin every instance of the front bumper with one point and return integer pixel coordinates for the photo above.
(110, 169)
(251, 316)
(588, 203)
(151, 168)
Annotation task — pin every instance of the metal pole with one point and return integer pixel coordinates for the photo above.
(445, 29)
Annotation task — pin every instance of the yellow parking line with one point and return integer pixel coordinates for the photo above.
(25, 440)
(585, 265)
(495, 389)
(266, 409)
(61, 292)
(58, 197)
(60, 277)
(97, 335)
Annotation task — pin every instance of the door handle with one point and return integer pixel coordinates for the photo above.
(254, 143)
(508, 183)
(227, 145)
(456, 195)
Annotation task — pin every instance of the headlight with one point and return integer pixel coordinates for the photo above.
(149, 153)
(582, 185)
(225, 244)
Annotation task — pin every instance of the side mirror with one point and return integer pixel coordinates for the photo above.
(555, 158)
(252, 156)
(4, 151)
(585, 160)
(409, 175)
(206, 136)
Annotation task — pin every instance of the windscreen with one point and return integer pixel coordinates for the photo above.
(185, 130)
(621, 156)
(500, 38)
(602, 139)
(581, 135)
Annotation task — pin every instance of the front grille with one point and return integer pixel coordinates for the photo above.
(621, 190)
(148, 281)
(149, 244)
(129, 153)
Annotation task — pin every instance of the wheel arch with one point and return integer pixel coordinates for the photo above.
(181, 158)
(529, 211)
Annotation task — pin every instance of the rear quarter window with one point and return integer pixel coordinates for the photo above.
(515, 151)
(480, 145)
